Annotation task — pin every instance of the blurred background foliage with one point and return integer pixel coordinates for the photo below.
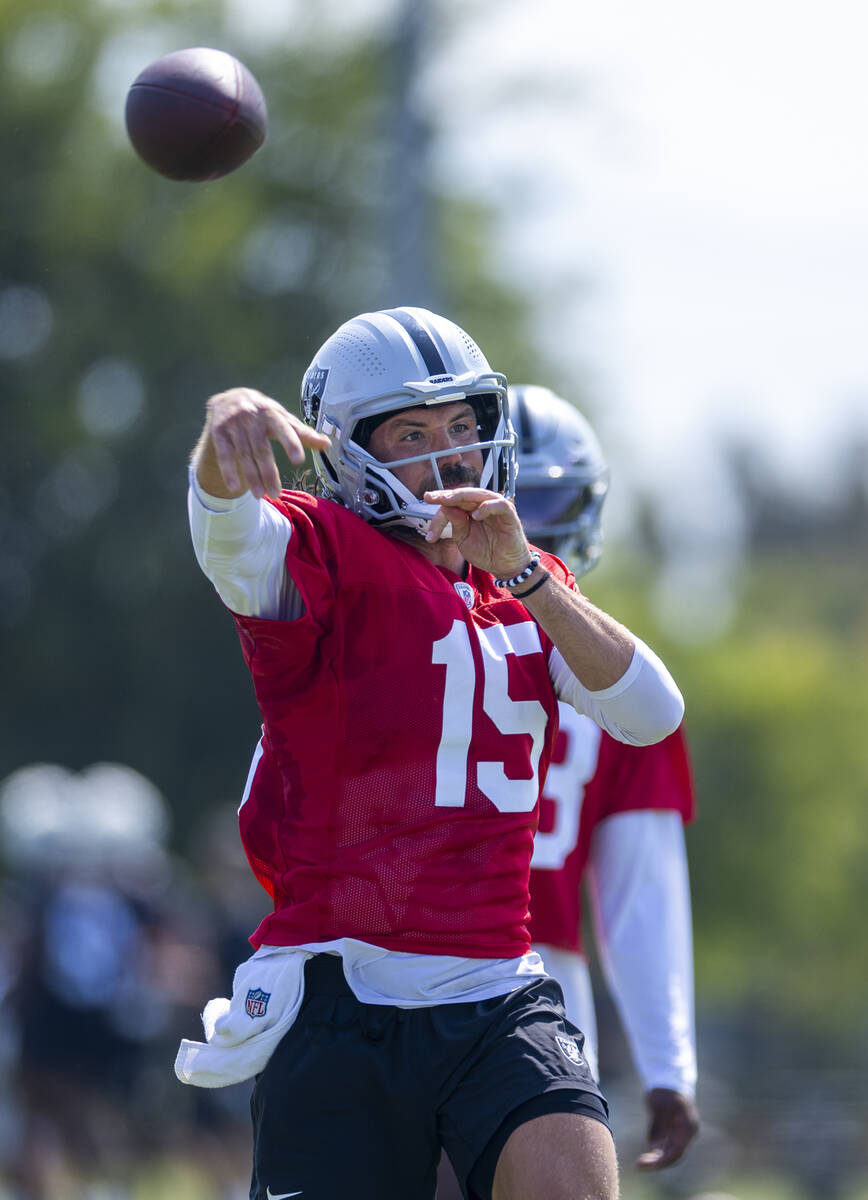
(126, 300)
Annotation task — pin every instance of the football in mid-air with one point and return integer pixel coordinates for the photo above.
(196, 114)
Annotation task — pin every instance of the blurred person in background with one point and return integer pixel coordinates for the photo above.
(611, 816)
(396, 845)
(105, 954)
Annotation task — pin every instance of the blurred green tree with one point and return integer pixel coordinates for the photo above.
(776, 713)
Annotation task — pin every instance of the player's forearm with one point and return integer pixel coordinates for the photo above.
(640, 899)
(603, 670)
(642, 708)
(596, 648)
(240, 544)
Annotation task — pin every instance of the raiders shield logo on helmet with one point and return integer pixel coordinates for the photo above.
(311, 392)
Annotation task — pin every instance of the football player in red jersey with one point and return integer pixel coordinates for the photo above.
(408, 651)
(611, 815)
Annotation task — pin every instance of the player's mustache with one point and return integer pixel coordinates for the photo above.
(453, 476)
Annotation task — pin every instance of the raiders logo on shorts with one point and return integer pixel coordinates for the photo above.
(569, 1049)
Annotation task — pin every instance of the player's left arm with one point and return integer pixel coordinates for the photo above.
(640, 899)
(609, 674)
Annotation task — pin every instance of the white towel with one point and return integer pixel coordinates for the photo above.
(242, 1033)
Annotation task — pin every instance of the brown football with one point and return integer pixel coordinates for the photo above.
(196, 114)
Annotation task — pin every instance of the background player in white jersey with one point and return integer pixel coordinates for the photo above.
(611, 815)
(408, 652)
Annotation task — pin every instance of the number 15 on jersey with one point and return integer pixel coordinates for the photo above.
(527, 717)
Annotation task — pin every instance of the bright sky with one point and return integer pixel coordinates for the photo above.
(707, 174)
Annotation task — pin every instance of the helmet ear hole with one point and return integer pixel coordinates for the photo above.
(332, 481)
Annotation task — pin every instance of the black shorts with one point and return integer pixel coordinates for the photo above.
(358, 1099)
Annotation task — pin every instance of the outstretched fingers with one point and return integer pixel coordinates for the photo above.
(294, 435)
(244, 424)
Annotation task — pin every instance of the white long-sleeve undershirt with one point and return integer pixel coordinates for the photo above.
(642, 707)
(240, 544)
(639, 891)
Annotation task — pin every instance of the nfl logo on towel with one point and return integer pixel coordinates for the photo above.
(257, 1002)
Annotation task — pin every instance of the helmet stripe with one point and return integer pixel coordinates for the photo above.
(421, 339)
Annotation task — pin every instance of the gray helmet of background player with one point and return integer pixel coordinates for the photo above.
(562, 479)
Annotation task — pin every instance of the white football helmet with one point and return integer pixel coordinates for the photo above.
(563, 477)
(379, 363)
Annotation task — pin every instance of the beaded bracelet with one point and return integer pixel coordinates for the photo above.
(521, 576)
(530, 591)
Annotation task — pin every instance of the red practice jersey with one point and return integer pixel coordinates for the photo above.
(409, 719)
(591, 777)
